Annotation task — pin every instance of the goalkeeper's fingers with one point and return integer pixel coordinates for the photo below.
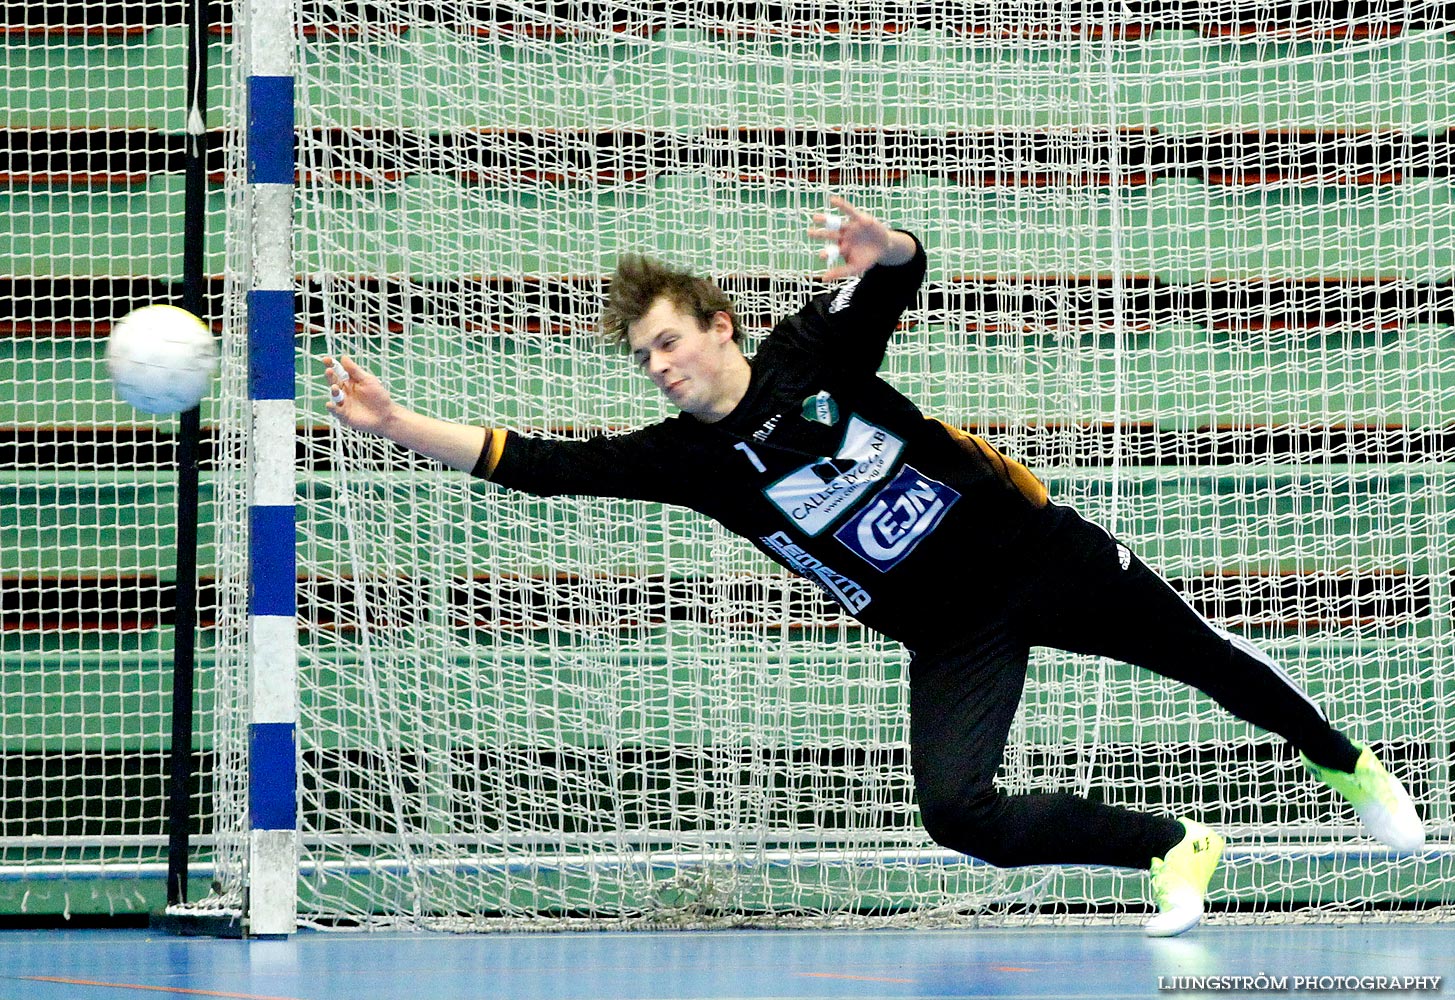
(336, 375)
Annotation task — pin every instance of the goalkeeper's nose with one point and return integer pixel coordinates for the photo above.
(660, 369)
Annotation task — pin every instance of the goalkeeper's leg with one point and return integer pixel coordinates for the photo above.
(963, 697)
(1096, 596)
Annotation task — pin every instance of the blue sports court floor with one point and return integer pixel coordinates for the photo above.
(716, 965)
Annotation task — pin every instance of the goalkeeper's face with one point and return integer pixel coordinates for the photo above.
(697, 365)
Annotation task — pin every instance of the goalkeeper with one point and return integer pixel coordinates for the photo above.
(921, 531)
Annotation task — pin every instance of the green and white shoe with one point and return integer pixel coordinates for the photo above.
(1378, 797)
(1179, 881)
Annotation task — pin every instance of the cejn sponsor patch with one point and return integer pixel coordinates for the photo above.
(844, 590)
(900, 516)
(815, 495)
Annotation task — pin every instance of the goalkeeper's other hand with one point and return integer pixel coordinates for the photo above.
(357, 398)
(860, 241)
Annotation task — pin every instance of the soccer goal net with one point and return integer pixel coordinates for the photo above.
(1191, 262)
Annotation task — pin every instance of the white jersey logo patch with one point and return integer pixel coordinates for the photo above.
(814, 496)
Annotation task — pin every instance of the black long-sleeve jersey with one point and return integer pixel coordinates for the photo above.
(822, 465)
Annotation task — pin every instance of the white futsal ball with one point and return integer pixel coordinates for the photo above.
(161, 359)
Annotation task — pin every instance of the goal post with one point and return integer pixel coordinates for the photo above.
(1191, 263)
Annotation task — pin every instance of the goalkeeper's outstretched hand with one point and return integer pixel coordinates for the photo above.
(357, 398)
(855, 241)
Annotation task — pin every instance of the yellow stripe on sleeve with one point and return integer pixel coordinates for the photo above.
(490, 453)
(1010, 471)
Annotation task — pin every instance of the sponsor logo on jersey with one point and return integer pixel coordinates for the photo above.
(815, 495)
(761, 434)
(821, 409)
(843, 589)
(899, 517)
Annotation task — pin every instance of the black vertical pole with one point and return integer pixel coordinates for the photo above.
(194, 300)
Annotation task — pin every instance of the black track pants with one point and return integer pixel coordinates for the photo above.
(1077, 590)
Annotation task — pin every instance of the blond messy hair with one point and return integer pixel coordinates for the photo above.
(639, 281)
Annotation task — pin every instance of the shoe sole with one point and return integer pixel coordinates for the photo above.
(1153, 930)
(1162, 925)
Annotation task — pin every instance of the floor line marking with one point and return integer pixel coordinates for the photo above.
(861, 979)
(155, 989)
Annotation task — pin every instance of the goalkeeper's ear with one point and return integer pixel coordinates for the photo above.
(722, 328)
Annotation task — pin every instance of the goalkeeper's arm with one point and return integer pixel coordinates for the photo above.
(363, 403)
